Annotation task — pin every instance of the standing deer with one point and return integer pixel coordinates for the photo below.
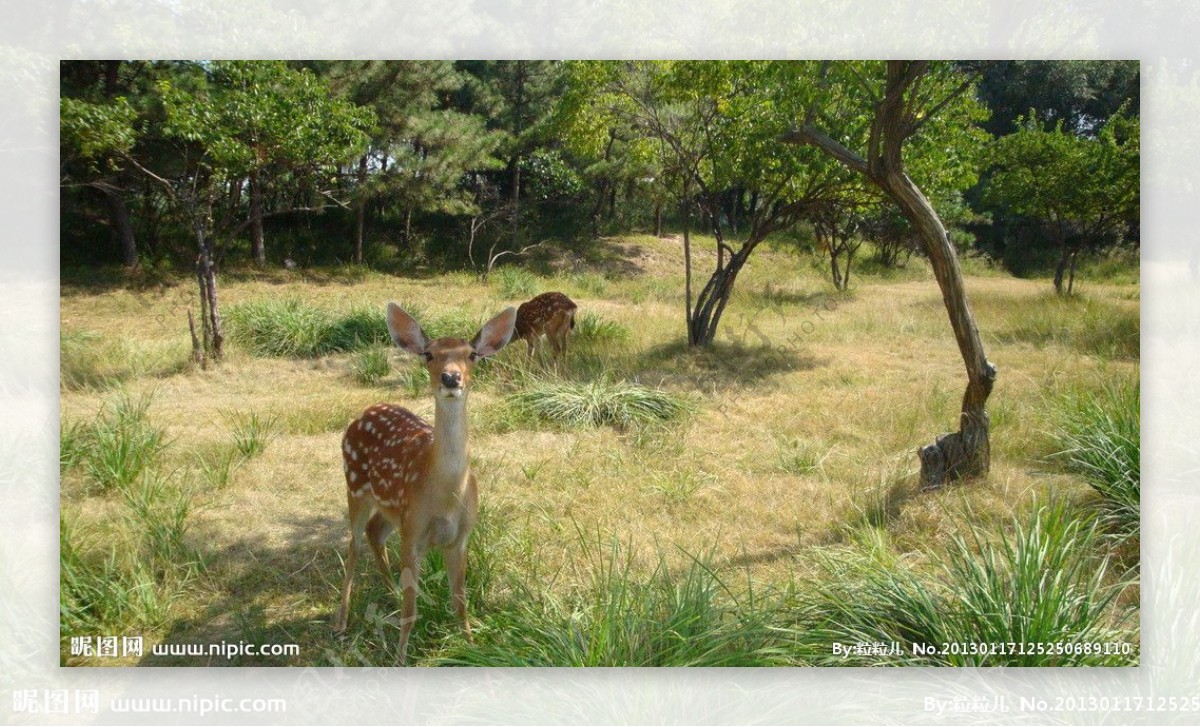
(550, 313)
(402, 473)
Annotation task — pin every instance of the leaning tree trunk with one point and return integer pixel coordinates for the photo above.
(711, 302)
(967, 452)
(1071, 278)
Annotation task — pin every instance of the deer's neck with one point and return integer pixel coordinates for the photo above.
(450, 437)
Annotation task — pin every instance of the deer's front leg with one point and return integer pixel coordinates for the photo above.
(456, 567)
(410, 577)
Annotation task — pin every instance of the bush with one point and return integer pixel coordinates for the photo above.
(596, 403)
(1099, 437)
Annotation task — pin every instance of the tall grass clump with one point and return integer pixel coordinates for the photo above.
(370, 366)
(88, 361)
(251, 432)
(290, 328)
(98, 592)
(683, 616)
(514, 282)
(131, 577)
(119, 445)
(1043, 584)
(1077, 322)
(590, 327)
(1098, 436)
(596, 403)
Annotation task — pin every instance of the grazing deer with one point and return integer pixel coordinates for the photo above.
(402, 473)
(550, 313)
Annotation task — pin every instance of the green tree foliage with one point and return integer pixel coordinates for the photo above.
(421, 148)
(238, 118)
(1079, 94)
(1083, 189)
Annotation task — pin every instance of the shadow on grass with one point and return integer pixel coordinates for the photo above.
(605, 256)
(258, 578)
(722, 364)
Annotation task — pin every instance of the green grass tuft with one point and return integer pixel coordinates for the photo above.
(118, 446)
(1098, 436)
(591, 328)
(597, 403)
(514, 282)
(684, 616)
(251, 432)
(1042, 584)
(290, 328)
(371, 366)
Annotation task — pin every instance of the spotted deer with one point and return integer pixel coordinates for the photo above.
(550, 313)
(402, 473)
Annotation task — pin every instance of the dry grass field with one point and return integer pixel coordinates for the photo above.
(201, 506)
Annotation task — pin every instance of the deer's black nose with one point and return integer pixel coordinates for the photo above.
(451, 379)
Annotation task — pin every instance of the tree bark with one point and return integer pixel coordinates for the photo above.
(967, 452)
(658, 219)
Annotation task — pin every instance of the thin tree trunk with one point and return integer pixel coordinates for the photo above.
(207, 278)
(1060, 270)
(360, 211)
(123, 227)
(1071, 279)
(258, 250)
(967, 452)
(687, 259)
(658, 219)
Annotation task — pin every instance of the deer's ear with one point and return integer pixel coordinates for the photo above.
(405, 330)
(495, 334)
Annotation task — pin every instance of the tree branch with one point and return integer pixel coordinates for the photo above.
(809, 135)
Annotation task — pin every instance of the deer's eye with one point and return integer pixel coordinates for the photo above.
(428, 356)
(474, 356)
